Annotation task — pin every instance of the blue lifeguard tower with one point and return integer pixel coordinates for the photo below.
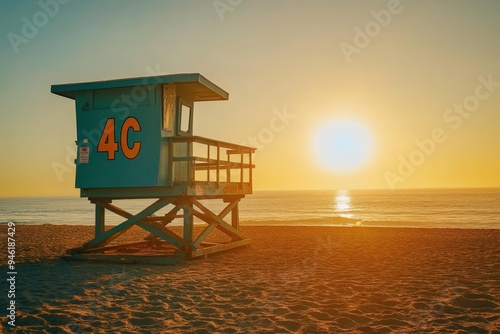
(135, 141)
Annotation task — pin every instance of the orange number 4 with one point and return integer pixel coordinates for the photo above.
(107, 142)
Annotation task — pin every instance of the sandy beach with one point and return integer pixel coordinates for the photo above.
(290, 280)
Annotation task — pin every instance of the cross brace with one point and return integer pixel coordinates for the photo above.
(146, 219)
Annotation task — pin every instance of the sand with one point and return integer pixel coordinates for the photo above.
(291, 280)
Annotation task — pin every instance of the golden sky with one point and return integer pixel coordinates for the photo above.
(414, 86)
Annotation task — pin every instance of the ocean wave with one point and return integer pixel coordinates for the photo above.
(352, 222)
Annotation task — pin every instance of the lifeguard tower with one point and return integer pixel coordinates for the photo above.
(135, 141)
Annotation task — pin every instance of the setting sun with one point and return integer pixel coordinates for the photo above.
(342, 145)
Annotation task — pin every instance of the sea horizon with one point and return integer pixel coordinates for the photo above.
(414, 208)
(295, 190)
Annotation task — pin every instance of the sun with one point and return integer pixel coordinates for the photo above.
(342, 145)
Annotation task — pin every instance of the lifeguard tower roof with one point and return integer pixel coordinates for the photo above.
(199, 87)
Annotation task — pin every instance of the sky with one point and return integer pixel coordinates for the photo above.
(334, 94)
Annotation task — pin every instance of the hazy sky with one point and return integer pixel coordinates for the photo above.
(421, 77)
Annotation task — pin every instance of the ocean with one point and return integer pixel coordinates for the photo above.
(421, 208)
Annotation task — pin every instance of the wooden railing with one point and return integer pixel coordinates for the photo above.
(197, 159)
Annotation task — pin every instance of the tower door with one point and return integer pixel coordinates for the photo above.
(184, 127)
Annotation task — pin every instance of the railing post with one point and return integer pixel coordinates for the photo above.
(190, 166)
(228, 169)
(241, 168)
(170, 162)
(250, 162)
(208, 162)
(218, 163)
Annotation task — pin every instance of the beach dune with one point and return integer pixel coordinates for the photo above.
(292, 279)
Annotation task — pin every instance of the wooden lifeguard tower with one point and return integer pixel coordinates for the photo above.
(135, 141)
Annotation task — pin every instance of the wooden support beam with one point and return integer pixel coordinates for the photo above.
(116, 231)
(130, 259)
(235, 217)
(229, 207)
(187, 207)
(108, 248)
(204, 234)
(167, 218)
(212, 222)
(219, 248)
(113, 208)
(203, 217)
(229, 199)
(164, 234)
(230, 231)
(222, 225)
(99, 219)
(171, 215)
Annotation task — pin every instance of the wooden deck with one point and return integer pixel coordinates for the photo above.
(198, 167)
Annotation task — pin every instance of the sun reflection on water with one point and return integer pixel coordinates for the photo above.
(343, 203)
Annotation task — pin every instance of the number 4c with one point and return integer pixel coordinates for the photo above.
(108, 144)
